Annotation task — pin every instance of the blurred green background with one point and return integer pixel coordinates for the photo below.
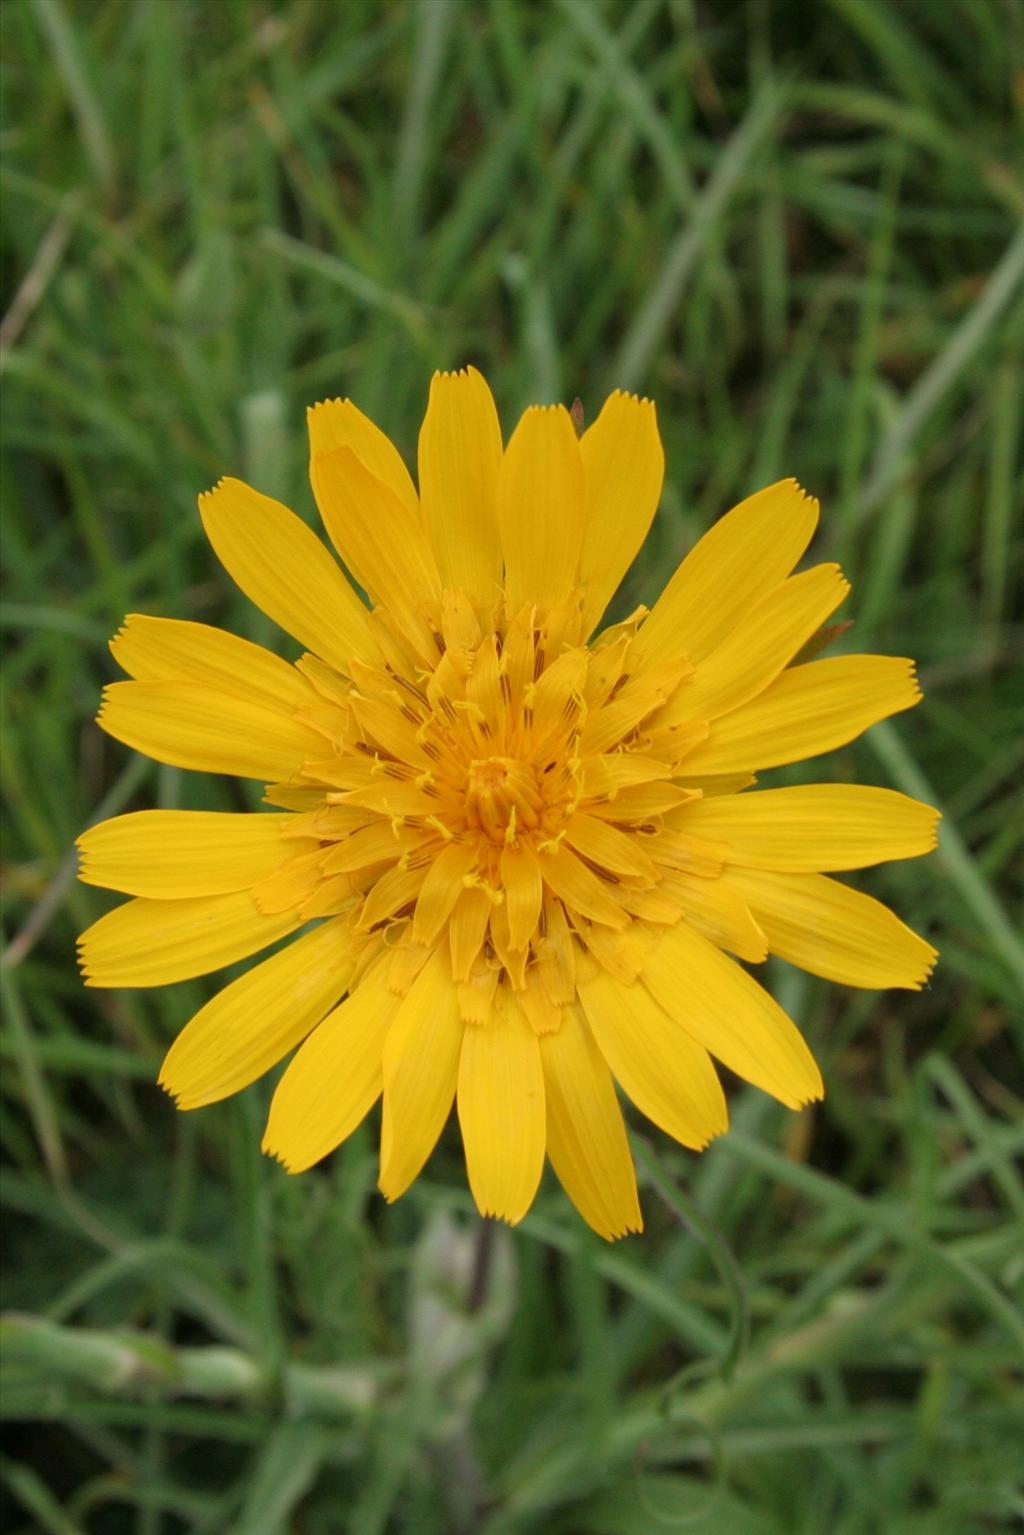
(799, 227)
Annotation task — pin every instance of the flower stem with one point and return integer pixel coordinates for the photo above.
(126, 1364)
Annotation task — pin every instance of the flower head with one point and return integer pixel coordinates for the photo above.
(523, 856)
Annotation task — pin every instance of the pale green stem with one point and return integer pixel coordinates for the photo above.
(124, 1364)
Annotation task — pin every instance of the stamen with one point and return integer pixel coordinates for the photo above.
(410, 687)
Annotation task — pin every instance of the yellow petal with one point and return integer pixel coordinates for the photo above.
(724, 1010)
(281, 566)
(606, 660)
(676, 848)
(387, 796)
(421, 1067)
(586, 1137)
(827, 928)
(200, 728)
(329, 720)
(814, 827)
(476, 996)
(341, 424)
(675, 742)
(328, 898)
(483, 685)
(513, 960)
(403, 962)
(555, 699)
(608, 847)
(151, 943)
(650, 905)
(326, 822)
(763, 642)
(746, 553)
(328, 683)
(335, 1078)
(540, 507)
(298, 797)
(459, 623)
(171, 650)
(719, 912)
(621, 954)
(807, 710)
(606, 776)
(717, 783)
(441, 889)
(642, 802)
(580, 888)
(351, 771)
(640, 696)
(459, 461)
(380, 842)
(543, 1015)
(293, 883)
(524, 893)
(381, 539)
(390, 894)
(667, 1074)
(623, 467)
(501, 1112)
(555, 954)
(254, 1022)
(383, 725)
(466, 930)
(177, 853)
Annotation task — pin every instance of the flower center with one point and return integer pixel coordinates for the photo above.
(502, 797)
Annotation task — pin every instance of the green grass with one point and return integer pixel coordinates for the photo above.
(799, 227)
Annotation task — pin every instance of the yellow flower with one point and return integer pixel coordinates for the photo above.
(521, 853)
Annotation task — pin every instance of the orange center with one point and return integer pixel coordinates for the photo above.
(502, 797)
